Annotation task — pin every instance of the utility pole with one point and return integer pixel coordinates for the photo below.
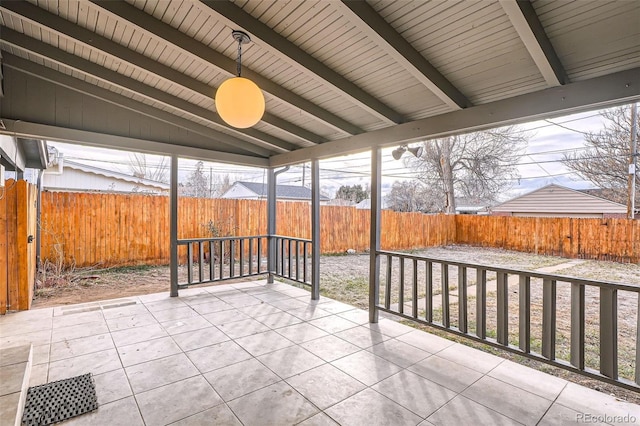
(304, 170)
(633, 153)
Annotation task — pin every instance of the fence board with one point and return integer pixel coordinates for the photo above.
(130, 229)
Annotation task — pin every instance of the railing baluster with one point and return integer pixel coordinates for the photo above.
(446, 321)
(387, 290)
(462, 299)
(524, 336)
(259, 256)
(277, 255)
(297, 261)
(502, 295)
(481, 303)
(609, 332)
(221, 260)
(428, 298)
(241, 257)
(200, 261)
(304, 260)
(401, 289)
(549, 319)
(212, 264)
(577, 325)
(282, 257)
(289, 245)
(189, 263)
(415, 289)
(232, 258)
(250, 256)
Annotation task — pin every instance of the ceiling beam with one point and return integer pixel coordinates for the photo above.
(283, 48)
(599, 92)
(524, 19)
(217, 140)
(368, 21)
(63, 134)
(91, 40)
(203, 53)
(108, 76)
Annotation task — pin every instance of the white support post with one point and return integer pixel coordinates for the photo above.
(374, 243)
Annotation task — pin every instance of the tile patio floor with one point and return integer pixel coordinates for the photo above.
(257, 354)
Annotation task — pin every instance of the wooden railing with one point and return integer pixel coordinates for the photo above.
(567, 322)
(293, 259)
(224, 258)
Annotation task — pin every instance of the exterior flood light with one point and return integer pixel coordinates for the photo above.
(397, 153)
(239, 101)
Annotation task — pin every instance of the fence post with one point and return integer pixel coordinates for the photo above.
(315, 230)
(374, 236)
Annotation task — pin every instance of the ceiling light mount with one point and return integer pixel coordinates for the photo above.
(242, 38)
(239, 101)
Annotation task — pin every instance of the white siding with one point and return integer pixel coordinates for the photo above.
(239, 191)
(554, 200)
(78, 180)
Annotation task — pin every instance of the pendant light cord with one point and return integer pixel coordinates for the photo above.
(239, 60)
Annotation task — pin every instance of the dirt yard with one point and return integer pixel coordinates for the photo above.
(345, 278)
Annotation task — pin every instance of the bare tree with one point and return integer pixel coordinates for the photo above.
(413, 196)
(352, 193)
(141, 169)
(197, 185)
(476, 165)
(219, 184)
(606, 161)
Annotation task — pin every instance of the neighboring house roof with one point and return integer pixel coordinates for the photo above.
(366, 204)
(33, 153)
(282, 191)
(559, 199)
(115, 175)
(471, 205)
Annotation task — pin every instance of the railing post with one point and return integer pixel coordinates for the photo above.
(609, 332)
(374, 234)
(502, 295)
(577, 325)
(481, 303)
(315, 230)
(524, 313)
(444, 274)
(271, 224)
(462, 299)
(173, 226)
(549, 319)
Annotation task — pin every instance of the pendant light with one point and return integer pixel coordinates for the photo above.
(239, 101)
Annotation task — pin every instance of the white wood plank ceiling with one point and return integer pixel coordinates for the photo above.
(338, 76)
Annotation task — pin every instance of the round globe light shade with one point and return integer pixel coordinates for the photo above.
(240, 102)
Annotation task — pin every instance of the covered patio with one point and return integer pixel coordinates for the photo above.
(338, 77)
(254, 353)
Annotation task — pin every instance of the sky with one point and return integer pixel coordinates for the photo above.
(540, 166)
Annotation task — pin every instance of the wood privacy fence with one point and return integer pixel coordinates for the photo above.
(85, 229)
(17, 247)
